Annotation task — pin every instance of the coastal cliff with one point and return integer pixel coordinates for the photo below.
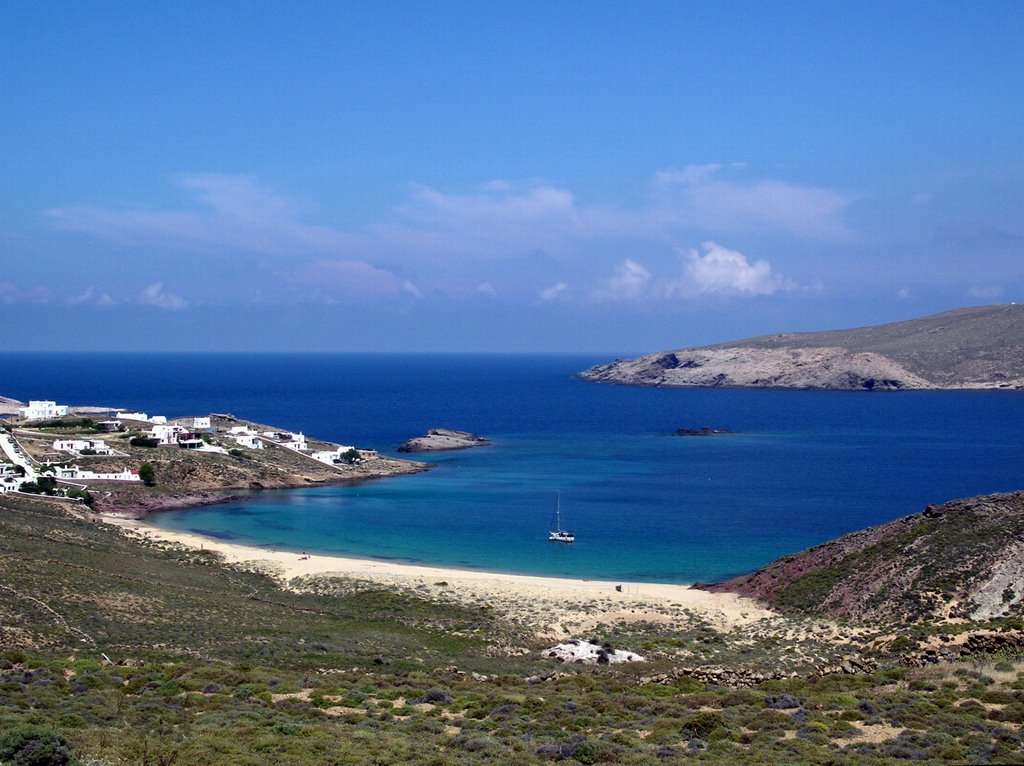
(962, 559)
(972, 348)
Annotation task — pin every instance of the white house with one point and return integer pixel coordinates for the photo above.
(241, 431)
(10, 484)
(42, 410)
(296, 442)
(167, 434)
(98, 446)
(133, 416)
(330, 457)
(198, 423)
(251, 441)
(74, 472)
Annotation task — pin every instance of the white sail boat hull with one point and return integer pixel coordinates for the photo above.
(559, 535)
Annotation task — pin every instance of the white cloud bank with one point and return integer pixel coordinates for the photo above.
(499, 219)
(434, 241)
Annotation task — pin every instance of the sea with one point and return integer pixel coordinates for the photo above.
(801, 467)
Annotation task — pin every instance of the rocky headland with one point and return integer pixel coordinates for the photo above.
(441, 439)
(972, 348)
(963, 560)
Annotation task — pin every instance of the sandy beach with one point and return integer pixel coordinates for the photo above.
(550, 607)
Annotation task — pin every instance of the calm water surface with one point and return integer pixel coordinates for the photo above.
(646, 505)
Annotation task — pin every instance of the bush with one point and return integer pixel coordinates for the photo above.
(34, 746)
(148, 474)
(82, 494)
(701, 725)
(144, 441)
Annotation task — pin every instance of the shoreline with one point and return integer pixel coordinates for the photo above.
(200, 498)
(549, 607)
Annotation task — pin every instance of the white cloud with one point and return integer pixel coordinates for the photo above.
(903, 293)
(702, 199)
(629, 282)
(11, 293)
(988, 292)
(553, 292)
(154, 295)
(236, 212)
(721, 270)
(486, 288)
(331, 280)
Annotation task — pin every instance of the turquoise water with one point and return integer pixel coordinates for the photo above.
(645, 505)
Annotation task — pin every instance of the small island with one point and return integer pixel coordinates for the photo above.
(442, 439)
(703, 431)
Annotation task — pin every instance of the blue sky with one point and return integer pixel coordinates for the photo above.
(420, 176)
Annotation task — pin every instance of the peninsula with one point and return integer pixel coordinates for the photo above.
(132, 463)
(969, 348)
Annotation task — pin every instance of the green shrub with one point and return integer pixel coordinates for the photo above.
(34, 746)
(699, 726)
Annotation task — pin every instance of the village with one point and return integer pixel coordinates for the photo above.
(62, 451)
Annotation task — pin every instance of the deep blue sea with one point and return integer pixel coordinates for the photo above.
(804, 466)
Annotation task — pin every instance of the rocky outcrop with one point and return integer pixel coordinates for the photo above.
(439, 439)
(961, 559)
(967, 348)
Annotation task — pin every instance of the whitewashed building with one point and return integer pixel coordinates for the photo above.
(296, 442)
(331, 457)
(133, 416)
(198, 423)
(97, 446)
(249, 441)
(167, 434)
(42, 410)
(10, 484)
(74, 472)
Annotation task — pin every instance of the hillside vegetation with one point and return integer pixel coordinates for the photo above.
(115, 650)
(979, 347)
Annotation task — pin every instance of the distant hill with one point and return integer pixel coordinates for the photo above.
(980, 347)
(961, 559)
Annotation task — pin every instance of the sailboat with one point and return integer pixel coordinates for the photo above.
(558, 534)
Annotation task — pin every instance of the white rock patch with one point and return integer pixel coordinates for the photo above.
(586, 653)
